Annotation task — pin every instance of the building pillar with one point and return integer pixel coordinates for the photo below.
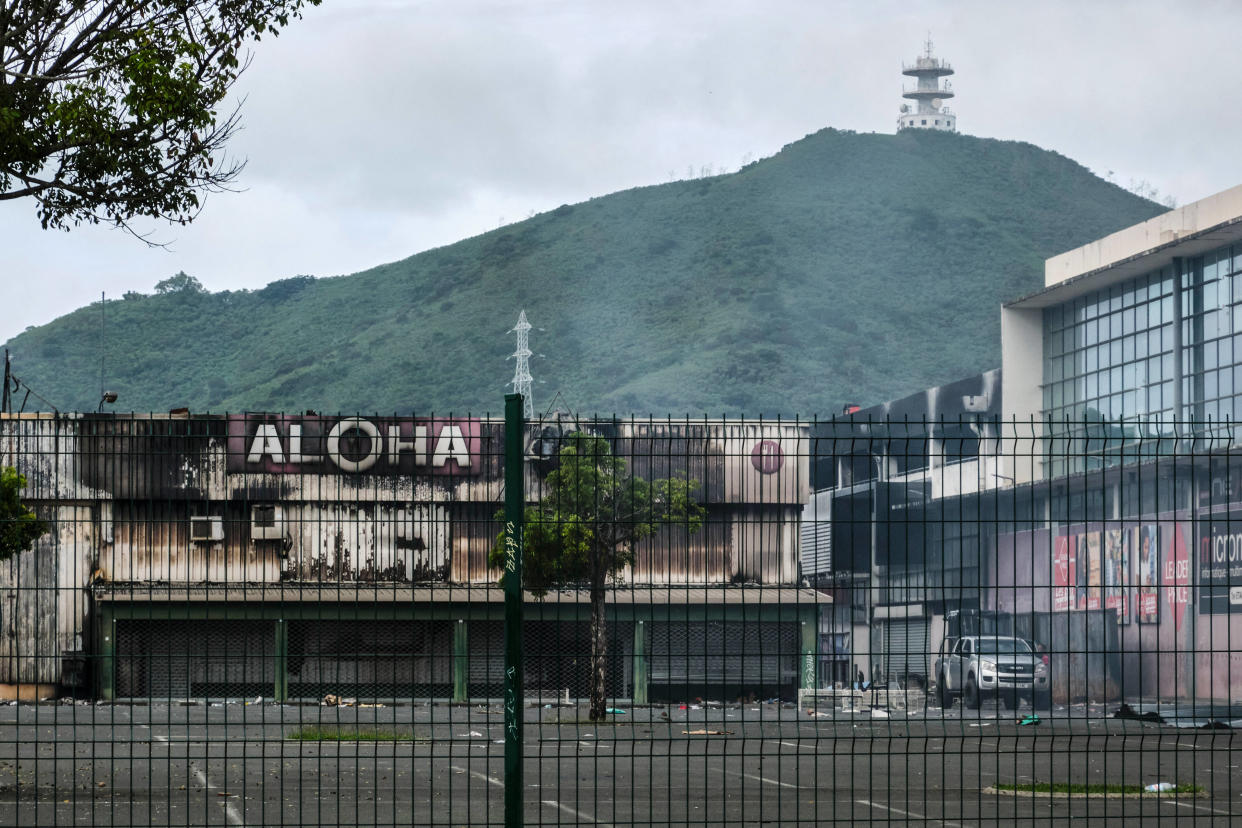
(640, 663)
(281, 683)
(107, 654)
(461, 662)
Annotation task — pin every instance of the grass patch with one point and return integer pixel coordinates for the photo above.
(1097, 788)
(354, 734)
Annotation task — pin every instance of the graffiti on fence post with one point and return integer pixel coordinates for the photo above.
(515, 505)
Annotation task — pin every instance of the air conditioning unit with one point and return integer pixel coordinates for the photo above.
(266, 523)
(206, 529)
(975, 403)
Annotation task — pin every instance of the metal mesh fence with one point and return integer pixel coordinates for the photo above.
(299, 619)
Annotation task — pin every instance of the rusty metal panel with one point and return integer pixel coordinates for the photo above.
(43, 600)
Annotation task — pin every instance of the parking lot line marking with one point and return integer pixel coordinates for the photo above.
(578, 814)
(479, 775)
(870, 804)
(229, 811)
(796, 745)
(762, 779)
(1196, 807)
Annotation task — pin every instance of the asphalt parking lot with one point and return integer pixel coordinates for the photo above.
(232, 763)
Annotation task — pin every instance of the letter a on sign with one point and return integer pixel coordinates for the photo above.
(266, 441)
(451, 446)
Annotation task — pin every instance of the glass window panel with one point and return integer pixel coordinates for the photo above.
(1166, 310)
(1209, 355)
(1093, 359)
(1114, 299)
(1209, 385)
(1153, 398)
(1091, 332)
(1093, 386)
(1114, 352)
(1225, 379)
(1211, 329)
(1115, 383)
(1127, 349)
(1140, 346)
(1129, 375)
(1166, 366)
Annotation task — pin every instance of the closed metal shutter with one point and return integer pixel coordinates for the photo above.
(173, 659)
(906, 644)
(371, 659)
(815, 535)
(721, 657)
(556, 658)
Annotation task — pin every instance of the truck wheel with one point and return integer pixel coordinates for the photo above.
(972, 699)
(946, 697)
(1009, 700)
(1042, 701)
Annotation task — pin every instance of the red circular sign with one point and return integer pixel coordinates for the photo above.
(767, 457)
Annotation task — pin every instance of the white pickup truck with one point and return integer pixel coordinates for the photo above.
(976, 667)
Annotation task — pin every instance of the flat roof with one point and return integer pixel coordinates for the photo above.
(304, 593)
(1137, 264)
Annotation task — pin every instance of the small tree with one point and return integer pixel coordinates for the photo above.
(584, 531)
(179, 282)
(19, 526)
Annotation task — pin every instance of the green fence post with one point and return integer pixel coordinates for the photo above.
(810, 638)
(461, 662)
(515, 504)
(640, 662)
(281, 689)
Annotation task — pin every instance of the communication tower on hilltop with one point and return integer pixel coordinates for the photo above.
(521, 381)
(928, 114)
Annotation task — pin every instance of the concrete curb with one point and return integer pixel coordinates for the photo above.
(993, 791)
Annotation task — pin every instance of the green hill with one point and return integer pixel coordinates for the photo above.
(846, 267)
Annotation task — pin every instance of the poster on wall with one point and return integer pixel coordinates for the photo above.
(1094, 581)
(1147, 573)
(1062, 573)
(1175, 576)
(1220, 562)
(1114, 575)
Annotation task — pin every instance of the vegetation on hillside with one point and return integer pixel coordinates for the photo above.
(846, 267)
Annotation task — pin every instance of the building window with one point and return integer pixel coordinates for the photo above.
(924, 122)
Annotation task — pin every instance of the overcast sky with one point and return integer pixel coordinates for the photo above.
(374, 130)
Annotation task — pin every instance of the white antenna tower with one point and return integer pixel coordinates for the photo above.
(521, 381)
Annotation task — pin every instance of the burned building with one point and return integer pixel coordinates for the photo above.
(292, 556)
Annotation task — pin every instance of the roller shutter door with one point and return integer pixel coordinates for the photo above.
(906, 643)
